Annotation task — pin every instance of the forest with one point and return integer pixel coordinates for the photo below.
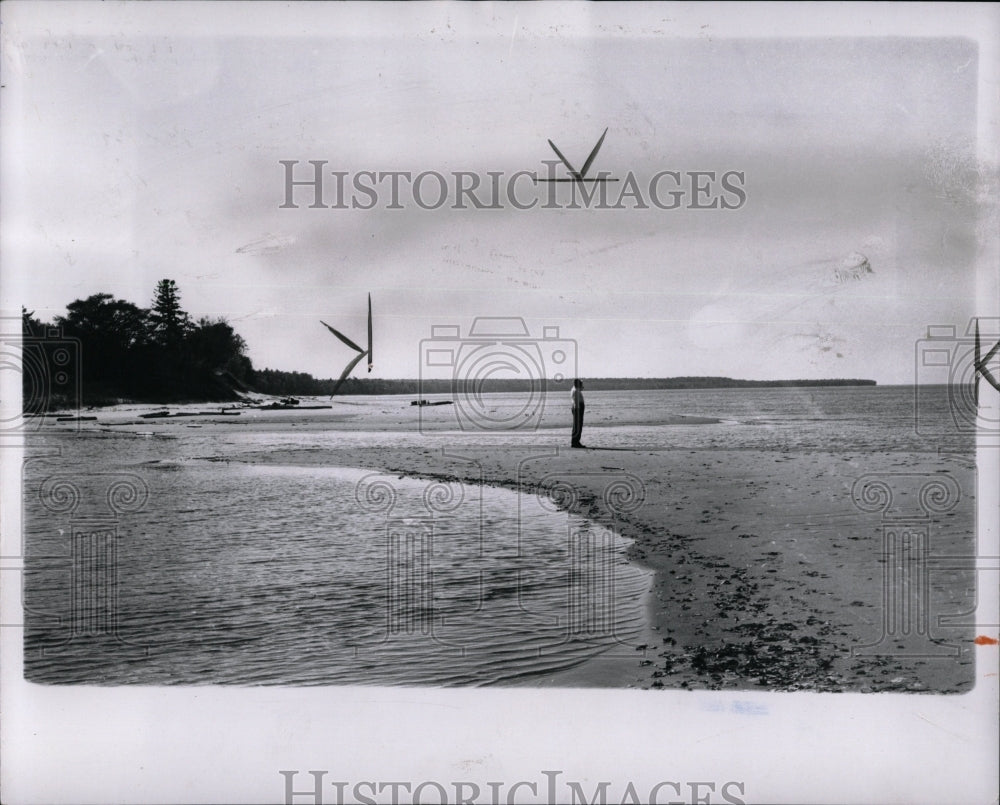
(105, 351)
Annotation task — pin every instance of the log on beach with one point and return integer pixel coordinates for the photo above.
(179, 414)
(280, 407)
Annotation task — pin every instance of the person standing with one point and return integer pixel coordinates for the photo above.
(577, 397)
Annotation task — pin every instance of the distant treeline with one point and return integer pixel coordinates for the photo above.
(107, 350)
(603, 383)
(299, 383)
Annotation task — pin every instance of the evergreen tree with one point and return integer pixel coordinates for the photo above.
(170, 322)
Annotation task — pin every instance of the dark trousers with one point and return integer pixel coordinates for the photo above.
(577, 424)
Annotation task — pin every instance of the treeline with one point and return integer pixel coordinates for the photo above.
(299, 383)
(628, 383)
(106, 350)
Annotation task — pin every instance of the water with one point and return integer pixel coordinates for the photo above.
(232, 572)
(287, 575)
(892, 418)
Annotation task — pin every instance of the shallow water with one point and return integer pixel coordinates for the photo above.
(232, 573)
(235, 572)
(900, 418)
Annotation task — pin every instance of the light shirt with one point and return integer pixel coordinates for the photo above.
(576, 395)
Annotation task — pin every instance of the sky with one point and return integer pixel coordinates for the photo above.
(130, 157)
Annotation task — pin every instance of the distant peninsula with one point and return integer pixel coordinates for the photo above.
(631, 383)
(285, 384)
(498, 385)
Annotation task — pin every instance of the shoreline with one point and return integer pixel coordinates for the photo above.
(766, 574)
(724, 614)
(438, 387)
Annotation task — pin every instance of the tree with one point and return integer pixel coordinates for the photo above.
(113, 334)
(215, 346)
(101, 317)
(170, 323)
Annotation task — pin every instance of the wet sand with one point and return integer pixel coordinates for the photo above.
(767, 574)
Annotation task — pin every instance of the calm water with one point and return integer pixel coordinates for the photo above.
(230, 572)
(262, 574)
(869, 418)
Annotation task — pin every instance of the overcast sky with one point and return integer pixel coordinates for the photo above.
(132, 158)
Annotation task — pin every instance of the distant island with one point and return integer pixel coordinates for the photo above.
(106, 351)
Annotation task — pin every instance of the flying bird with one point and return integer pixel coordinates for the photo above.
(361, 352)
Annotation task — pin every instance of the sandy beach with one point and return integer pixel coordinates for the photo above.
(766, 572)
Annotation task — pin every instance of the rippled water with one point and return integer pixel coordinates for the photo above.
(270, 574)
(219, 572)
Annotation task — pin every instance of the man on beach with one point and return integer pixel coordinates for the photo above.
(577, 397)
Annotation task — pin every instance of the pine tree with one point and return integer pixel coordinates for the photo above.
(170, 322)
